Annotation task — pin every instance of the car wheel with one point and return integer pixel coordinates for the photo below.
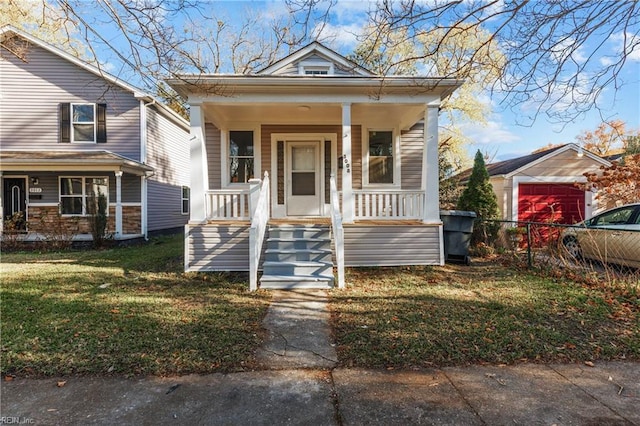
(572, 247)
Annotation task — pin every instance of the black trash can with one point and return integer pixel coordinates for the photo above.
(457, 227)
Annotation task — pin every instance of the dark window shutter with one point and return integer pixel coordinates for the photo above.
(101, 130)
(65, 123)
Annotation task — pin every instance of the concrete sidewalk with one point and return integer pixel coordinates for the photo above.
(298, 383)
(529, 394)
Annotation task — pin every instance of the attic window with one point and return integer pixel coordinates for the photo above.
(315, 67)
(316, 71)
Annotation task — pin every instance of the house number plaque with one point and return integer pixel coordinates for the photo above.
(347, 164)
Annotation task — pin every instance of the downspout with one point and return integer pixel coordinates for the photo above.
(144, 210)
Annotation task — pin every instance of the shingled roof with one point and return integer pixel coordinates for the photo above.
(508, 166)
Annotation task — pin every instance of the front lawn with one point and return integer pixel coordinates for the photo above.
(457, 315)
(126, 311)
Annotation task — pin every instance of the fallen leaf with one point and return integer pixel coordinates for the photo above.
(589, 364)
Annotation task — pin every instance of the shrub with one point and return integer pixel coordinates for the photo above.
(479, 197)
(98, 218)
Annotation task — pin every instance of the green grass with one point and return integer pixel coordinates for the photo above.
(127, 311)
(131, 311)
(486, 313)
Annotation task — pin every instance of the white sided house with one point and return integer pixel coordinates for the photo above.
(70, 131)
(310, 164)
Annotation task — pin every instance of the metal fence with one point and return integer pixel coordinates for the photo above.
(602, 255)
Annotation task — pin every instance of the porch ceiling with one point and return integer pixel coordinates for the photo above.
(372, 115)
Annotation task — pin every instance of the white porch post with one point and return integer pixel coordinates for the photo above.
(144, 207)
(430, 175)
(118, 203)
(348, 213)
(254, 195)
(199, 175)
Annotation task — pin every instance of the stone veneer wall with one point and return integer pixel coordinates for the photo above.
(46, 221)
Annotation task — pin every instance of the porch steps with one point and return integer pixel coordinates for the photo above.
(297, 256)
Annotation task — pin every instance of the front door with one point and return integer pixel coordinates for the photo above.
(303, 179)
(14, 196)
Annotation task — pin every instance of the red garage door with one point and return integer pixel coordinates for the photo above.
(550, 203)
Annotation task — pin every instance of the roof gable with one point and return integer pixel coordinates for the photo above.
(315, 56)
(516, 165)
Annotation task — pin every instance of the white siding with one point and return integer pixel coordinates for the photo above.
(391, 245)
(218, 248)
(30, 95)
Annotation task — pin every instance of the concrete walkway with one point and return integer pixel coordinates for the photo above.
(301, 386)
(298, 332)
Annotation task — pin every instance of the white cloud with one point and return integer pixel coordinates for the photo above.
(565, 49)
(493, 133)
(347, 9)
(627, 43)
(606, 61)
(108, 67)
(344, 36)
(558, 95)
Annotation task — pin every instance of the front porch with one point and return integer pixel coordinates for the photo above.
(239, 234)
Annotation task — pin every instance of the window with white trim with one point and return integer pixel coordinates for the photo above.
(381, 161)
(78, 192)
(241, 156)
(83, 122)
(186, 196)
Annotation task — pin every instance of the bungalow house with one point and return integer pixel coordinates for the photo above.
(309, 164)
(540, 187)
(70, 131)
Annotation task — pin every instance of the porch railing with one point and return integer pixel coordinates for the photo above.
(260, 217)
(228, 204)
(338, 230)
(388, 205)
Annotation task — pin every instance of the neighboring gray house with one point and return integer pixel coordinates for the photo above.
(310, 164)
(68, 131)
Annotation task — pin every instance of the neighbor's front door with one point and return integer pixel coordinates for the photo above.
(303, 179)
(14, 196)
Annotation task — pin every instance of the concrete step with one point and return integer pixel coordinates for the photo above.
(298, 255)
(269, 281)
(298, 268)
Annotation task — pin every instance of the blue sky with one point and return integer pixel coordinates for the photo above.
(508, 132)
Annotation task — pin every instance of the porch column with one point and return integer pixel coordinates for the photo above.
(1, 204)
(430, 175)
(118, 203)
(144, 226)
(199, 176)
(347, 181)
